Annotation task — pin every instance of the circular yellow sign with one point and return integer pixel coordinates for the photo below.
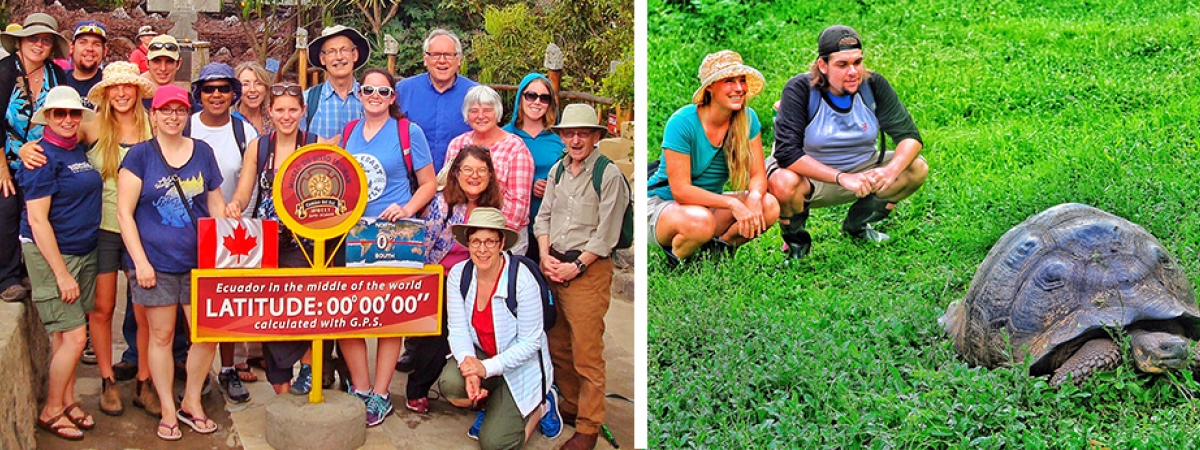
(321, 191)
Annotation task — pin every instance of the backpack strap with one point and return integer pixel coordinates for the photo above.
(406, 150)
(868, 97)
(464, 283)
(239, 134)
(598, 172)
(265, 145)
(187, 127)
(313, 101)
(515, 261)
(346, 131)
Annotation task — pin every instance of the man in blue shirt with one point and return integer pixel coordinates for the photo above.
(331, 105)
(434, 99)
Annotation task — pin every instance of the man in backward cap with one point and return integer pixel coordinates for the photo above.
(139, 55)
(331, 105)
(87, 54)
(830, 146)
(577, 229)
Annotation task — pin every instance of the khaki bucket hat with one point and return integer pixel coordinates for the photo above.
(62, 97)
(35, 24)
(485, 218)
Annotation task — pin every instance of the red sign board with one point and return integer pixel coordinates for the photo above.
(303, 304)
(320, 191)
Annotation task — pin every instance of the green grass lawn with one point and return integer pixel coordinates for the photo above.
(1022, 106)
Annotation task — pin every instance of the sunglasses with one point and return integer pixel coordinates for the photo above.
(90, 29)
(533, 97)
(60, 114)
(45, 40)
(383, 91)
(210, 88)
(288, 89)
(163, 46)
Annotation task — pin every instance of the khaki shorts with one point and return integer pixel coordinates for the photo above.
(654, 208)
(830, 194)
(57, 315)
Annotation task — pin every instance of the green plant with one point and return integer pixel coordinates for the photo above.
(512, 45)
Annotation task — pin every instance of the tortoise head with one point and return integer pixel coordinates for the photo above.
(1158, 351)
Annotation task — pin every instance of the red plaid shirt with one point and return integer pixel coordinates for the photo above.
(514, 171)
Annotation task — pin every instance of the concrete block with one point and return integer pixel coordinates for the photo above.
(626, 166)
(616, 148)
(25, 361)
(627, 130)
(622, 286)
(337, 424)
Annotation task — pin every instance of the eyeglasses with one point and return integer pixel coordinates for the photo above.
(44, 39)
(470, 171)
(210, 88)
(569, 134)
(163, 46)
(438, 56)
(533, 97)
(340, 51)
(181, 111)
(60, 114)
(286, 88)
(383, 91)
(486, 243)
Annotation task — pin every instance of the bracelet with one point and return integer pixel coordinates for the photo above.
(838, 179)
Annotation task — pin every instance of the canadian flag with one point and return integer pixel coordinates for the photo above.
(238, 243)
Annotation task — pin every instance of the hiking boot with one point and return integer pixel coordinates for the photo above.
(13, 294)
(110, 398)
(235, 391)
(147, 398)
(581, 441)
(551, 423)
(862, 214)
(124, 371)
(378, 408)
(796, 240)
(302, 385)
(473, 432)
(89, 353)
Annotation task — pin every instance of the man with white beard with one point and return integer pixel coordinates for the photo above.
(331, 105)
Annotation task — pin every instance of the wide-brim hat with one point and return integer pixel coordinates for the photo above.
(62, 97)
(484, 218)
(727, 64)
(35, 24)
(579, 115)
(314, 47)
(216, 71)
(119, 73)
(146, 30)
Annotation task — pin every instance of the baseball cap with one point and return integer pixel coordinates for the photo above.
(838, 38)
(90, 27)
(163, 45)
(170, 93)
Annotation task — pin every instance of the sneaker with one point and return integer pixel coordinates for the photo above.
(419, 406)
(551, 423)
(234, 389)
(364, 396)
(473, 432)
(378, 408)
(869, 234)
(89, 354)
(302, 385)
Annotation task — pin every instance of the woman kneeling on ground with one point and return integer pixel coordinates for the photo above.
(59, 236)
(706, 144)
(501, 360)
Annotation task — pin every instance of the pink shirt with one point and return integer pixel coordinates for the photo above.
(514, 171)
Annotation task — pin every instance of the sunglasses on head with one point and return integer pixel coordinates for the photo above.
(163, 46)
(383, 91)
(286, 88)
(210, 88)
(533, 97)
(60, 114)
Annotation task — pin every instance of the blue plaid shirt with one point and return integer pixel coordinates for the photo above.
(333, 113)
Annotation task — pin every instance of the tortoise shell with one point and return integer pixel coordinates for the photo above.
(1061, 277)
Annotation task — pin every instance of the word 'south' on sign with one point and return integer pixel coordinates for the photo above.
(248, 305)
(238, 243)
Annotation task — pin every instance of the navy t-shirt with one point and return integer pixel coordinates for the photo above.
(83, 86)
(167, 233)
(74, 188)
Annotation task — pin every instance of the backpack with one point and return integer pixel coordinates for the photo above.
(626, 238)
(548, 312)
(265, 146)
(239, 132)
(405, 148)
(312, 101)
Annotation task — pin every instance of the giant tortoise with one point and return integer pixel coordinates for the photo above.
(1058, 287)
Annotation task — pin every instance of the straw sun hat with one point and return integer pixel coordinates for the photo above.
(61, 97)
(727, 64)
(579, 115)
(119, 73)
(35, 24)
(484, 218)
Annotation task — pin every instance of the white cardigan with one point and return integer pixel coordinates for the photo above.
(519, 339)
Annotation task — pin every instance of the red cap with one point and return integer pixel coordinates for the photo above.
(170, 93)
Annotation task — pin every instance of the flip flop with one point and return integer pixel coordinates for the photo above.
(84, 423)
(194, 422)
(246, 374)
(174, 434)
(63, 430)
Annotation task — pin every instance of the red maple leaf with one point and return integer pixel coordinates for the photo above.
(238, 243)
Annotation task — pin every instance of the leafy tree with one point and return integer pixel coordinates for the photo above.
(514, 44)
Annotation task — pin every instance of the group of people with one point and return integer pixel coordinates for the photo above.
(829, 150)
(117, 183)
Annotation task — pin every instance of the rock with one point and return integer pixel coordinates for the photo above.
(623, 286)
(336, 424)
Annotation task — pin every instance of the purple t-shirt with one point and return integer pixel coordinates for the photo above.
(74, 188)
(167, 233)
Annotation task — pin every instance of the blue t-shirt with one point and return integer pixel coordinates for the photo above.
(381, 160)
(74, 188)
(547, 148)
(685, 134)
(164, 225)
(438, 113)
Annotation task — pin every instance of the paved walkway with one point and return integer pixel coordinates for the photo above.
(243, 426)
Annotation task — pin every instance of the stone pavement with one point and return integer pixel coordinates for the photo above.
(243, 426)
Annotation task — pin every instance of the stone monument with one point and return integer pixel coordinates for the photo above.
(183, 14)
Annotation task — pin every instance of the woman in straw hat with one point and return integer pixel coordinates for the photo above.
(121, 122)
(61, 231)
(536, 110)
(25, 77)
(500, 358)
(712, 142)
(164, 186)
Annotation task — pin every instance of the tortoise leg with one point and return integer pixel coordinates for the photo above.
(1095, 355)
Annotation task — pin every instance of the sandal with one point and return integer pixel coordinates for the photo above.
(246, 374)
(194, 422)
(173, 433)
(56, 427)
(86, 422)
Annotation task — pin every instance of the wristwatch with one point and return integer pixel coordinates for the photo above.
(582, 267)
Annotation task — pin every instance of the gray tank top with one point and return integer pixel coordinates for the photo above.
(842, 140)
